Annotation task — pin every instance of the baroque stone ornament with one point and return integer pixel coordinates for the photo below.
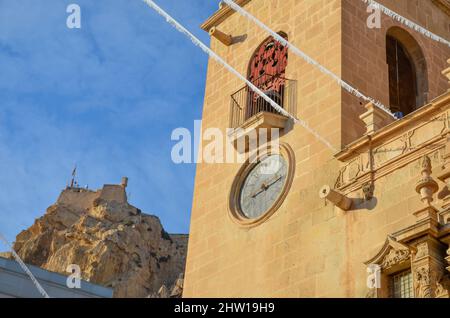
(422, 250)
(422, 282)
(392, 253)
(426, 186)
(395, 256)
(368, 190)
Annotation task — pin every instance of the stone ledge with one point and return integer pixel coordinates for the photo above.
(254, 124)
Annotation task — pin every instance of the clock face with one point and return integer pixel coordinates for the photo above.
(262, 186)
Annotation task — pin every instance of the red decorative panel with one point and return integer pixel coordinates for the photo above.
(269, 61)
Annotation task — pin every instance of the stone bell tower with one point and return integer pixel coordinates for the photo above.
(279, 235)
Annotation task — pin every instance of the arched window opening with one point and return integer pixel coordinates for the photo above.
(266, 71)
(408, 85)
(402, 78)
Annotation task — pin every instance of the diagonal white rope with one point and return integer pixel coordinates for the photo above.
(410, 24)
(216, 57)
(24, 267)
(307, 58)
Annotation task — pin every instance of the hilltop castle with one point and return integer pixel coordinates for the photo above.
(84, 198)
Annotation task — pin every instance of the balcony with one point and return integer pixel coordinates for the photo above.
(246, 104)
(249, 111)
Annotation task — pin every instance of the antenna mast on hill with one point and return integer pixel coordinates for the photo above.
(73, 182)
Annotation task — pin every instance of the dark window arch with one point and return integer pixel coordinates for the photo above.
(408, 82)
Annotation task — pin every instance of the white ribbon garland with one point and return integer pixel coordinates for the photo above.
(216, 57)
(410, 24)
(307, 58)
(24, 267)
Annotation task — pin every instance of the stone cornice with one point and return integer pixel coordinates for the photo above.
(394, 146)
(220, 15)
(397, 127)
(443, 4)
(225, 11)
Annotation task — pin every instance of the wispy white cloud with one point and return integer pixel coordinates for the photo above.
(106, 97)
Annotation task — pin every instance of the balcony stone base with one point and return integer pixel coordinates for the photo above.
(250, 131)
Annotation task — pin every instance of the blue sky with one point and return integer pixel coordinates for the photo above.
(106, 96)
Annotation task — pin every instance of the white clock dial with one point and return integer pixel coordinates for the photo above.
(262, 186)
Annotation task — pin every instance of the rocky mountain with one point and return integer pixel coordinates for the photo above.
(113, 243)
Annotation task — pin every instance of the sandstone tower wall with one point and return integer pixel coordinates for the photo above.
(308, 247)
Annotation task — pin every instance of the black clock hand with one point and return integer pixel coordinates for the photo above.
(261, 190)
(264, 187)
(275, 181)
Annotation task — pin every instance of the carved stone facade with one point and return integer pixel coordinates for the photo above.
(420, 247)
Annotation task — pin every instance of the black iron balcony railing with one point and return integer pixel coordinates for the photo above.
(245, 103)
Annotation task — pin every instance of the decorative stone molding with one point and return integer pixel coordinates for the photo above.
(419, 250)
(430, 278)
(392, 257)
(426, 186)
(368, 190)
(422, 250)
(422, 282)
(392, 253)
(375, 118)
(425, 216)
(393, 146)
(395, 257)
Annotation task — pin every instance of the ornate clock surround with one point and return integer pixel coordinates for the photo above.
(234, 210)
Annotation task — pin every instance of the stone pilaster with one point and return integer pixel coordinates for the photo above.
(375, 118)
(428, 269)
